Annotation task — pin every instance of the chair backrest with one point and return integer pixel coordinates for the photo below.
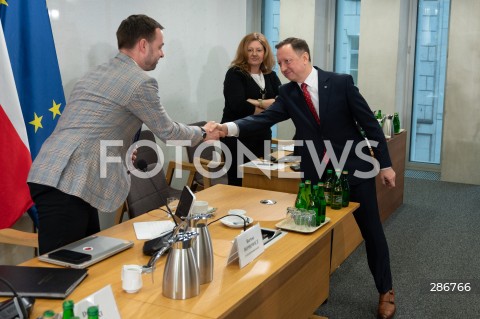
(147, 193)
(144, 152)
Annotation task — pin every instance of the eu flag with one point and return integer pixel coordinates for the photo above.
(29, 39)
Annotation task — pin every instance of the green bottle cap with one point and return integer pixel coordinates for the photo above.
(48, 314)
(68, 304)
(92, 311)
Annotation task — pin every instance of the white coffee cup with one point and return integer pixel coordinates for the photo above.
(132, 278)
(200, 207)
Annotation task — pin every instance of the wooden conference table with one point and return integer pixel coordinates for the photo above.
(346, 235)
(289, 280)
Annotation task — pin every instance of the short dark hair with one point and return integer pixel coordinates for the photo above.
(298, 45)
(134, 28)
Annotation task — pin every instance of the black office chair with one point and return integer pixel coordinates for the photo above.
(150, 193)
(144, 152)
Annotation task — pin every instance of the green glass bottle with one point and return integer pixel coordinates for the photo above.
(323, 203)
(345, 189)
(300, 201)
(319, 205)
(68, 309)
(308, 191)
(48, 314)
(314, 204)
(396, 123)
(336, 202)
(92, 312)
(329, 180)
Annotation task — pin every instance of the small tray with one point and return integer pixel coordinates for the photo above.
(286, 224)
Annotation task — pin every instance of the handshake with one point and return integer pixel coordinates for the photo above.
(215, 130)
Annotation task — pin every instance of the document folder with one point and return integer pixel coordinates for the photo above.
(42, 282)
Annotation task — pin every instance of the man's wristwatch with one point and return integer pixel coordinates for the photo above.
(204, 133)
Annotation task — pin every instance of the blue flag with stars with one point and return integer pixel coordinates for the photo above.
(29, 39)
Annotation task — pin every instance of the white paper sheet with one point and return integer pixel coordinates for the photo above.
(149, 230)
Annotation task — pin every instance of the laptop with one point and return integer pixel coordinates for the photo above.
(86, 252)
(41, 282)
(185, 204)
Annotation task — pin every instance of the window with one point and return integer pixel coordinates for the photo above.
(429, 80)
(270, 28)
(347, 37)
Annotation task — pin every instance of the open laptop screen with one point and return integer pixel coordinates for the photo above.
(185, 204)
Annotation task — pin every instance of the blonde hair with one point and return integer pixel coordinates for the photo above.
(241, 57)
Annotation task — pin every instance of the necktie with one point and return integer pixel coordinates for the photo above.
(308, 99)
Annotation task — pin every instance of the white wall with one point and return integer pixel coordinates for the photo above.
(200, 41)
(201, 38)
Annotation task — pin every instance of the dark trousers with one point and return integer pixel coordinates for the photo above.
(62, 218)
(368, 220)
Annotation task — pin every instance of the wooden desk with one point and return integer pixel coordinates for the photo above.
(289, 280)
(347, 236)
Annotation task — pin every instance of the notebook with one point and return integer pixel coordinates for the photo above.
(42, 282)
(99, 247)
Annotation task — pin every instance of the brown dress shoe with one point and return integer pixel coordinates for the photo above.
(386, 305)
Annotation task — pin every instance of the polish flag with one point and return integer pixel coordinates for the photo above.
(15, 159)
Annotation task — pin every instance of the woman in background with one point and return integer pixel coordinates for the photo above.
(250, 87)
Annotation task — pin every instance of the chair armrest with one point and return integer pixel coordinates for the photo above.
(18, 237)
(184, 166)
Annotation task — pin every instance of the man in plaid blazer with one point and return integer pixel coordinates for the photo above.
(106, 107)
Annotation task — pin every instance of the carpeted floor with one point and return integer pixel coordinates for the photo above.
(433, 238)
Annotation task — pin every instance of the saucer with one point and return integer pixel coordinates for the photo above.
(235, 222)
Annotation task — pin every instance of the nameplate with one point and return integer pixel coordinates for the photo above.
(105, 301)
(247, 246)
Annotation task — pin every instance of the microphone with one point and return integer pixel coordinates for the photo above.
(17, 307)
(142, 165)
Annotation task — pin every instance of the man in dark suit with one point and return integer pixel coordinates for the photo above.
(325, 108)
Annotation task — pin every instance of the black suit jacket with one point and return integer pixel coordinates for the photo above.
(341, 106)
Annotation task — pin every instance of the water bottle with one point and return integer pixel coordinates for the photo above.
(345, 189)
(92, 312)
(336, 202)
(48, 314)
(300, 201)
(323, 204)
(308, 191)
(329, 183)
(67, 309)
(396, 123)
(316, 206)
